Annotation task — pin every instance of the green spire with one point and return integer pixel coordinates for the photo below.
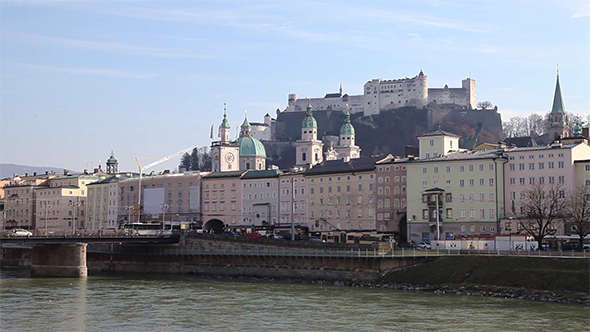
(557, 100)
(225, 123)
(347, 127)
(309, 121)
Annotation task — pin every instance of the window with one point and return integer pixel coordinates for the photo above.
(512, 181)
(561, 179)
(431, 142)
(449, 213)
(471, 168)
(491, 197)
(449, 197)
(491, 181)
(435, 170)
(448, 183)
(424, 184)
(481, 167)
(482, 182)
(472, 213)
(471, 182)
(462, 198)
(461, 183)
(482, 213)
(425, 214)
(531, 166)
(512, 167)
(424, 170)
(560, 164)
(448, 169)
(541, 165)
(461, 168)
(551, 165)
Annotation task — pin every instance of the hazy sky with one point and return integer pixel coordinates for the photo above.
(149, 78)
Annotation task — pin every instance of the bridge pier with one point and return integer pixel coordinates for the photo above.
(59, 260)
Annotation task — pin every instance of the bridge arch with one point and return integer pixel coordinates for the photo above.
(214, 224)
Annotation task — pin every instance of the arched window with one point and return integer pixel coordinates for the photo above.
(304, 156)
(316, 157)
(247, 165)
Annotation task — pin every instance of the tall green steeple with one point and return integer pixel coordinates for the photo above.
(557, 100)
(225, 123)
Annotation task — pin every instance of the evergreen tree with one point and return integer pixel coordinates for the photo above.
(185, 161)
(195, 159)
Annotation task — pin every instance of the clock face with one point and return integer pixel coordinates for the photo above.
(229, 157)
(216, 157)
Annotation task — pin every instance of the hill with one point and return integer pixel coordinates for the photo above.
(388, 132)
(9, 170)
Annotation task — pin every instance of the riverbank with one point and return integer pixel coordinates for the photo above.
(539, 279)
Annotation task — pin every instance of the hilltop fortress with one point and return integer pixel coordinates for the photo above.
(379, 95)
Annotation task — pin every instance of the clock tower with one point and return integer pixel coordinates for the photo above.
(224, 154)
(309, 149)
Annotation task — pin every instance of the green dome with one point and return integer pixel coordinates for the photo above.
(309, 121)
(347, 127)
(250, 146)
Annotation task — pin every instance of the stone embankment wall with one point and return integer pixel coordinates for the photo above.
(249, 263)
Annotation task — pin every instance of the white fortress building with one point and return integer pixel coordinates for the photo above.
(379, 94)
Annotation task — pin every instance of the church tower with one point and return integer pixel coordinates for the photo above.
(346, 146)
(558, 127)
(309, 149)
(112, 164)
(224, 153)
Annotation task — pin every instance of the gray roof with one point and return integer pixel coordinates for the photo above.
(466, 155)
(340, 166)
(439, 132)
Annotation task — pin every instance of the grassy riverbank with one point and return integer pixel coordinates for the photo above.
(556, 275)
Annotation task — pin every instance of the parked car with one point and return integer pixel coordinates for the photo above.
(423, 245)
(586, 247)
(276, 236)
(253, 235)
(19, 232)
(568, 246)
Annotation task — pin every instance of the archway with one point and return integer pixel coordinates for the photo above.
(214, 224)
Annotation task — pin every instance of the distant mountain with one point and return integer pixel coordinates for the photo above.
(8, 170)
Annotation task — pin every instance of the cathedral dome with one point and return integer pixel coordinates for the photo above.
(251, 147)
(309, 121)
(347, 127)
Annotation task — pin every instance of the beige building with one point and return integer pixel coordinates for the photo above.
(222, 201)
(293, 201)
(341, 195)
(103, 203)
(260, 198)
(391, 184)
(172, 198)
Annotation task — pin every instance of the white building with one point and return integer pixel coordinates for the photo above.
(379, 94)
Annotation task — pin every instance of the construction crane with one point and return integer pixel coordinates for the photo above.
(150, 165)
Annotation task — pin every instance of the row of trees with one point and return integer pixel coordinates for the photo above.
(543, 208)
(198, 160)
(536, 125)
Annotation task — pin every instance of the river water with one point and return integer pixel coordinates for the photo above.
(190, 303)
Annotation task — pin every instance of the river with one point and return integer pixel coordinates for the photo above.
(190, 303)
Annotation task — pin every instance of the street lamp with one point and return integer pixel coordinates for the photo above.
(164, 207)
(46, 206)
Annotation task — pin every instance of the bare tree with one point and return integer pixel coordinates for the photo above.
(484, 105)
(578, 212)
(539, 210)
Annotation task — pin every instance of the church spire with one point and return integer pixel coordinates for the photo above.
(557, 99)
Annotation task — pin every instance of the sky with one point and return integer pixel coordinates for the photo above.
(145, 79)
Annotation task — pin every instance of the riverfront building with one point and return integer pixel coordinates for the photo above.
(391, 184)
(456, 193)
(260, 198)
(341, 195)
(222, 200)
(293, 199)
